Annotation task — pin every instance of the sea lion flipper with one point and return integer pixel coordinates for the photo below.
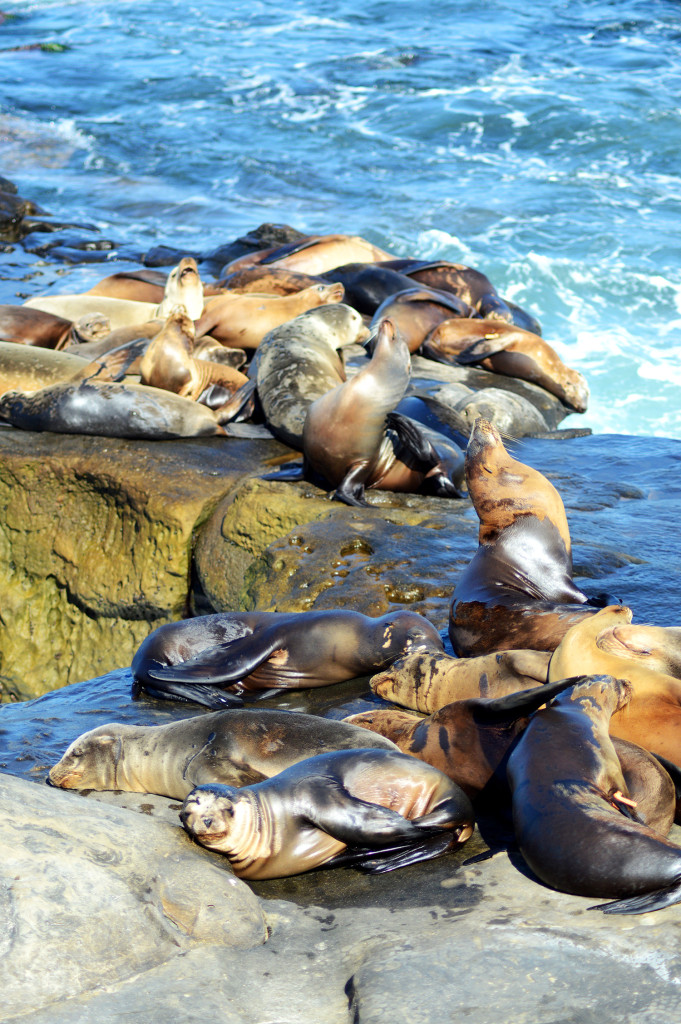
(482, 347)
(206, 696)
(351, 488)
(656, 900)
(524, 702)
(225, 663)
(412, 437)
(383, 860)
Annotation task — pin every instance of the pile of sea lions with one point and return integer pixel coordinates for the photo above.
(141, 355)
(558, 712)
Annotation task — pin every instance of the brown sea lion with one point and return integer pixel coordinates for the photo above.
(505, 348)
(426, 681)
(517, 591)
(268, 280)
(183, 287)
(572, 812)
(168, 362)
(375, 809)
(354, 440)
(120, 312)
(242, 321)
(644, 655)
(251, 652)
(114, 339)
(138, 285)
(26, 368)
(230, 747)
(470, 741)
(416, 312)
(313, 254)
(34, 327)
(469, 285)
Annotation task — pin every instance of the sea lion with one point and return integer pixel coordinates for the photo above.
(183, 287)
(505, 348)
(368, 285)
(168, 362)
(120, 312)
(230, 747)
(114, 339)
(374, 809)
(34, 327)
(517, 591)
(426, 681)
(299, 361)
(26, 368)
(416, 312)
(313, 254)
(648, 657)
(242, 321)
(354, 440)
(466, 283)
(138, 285)
(108, 410)
(572, 812)
(248, 652)
(269, 280)
(470, 740)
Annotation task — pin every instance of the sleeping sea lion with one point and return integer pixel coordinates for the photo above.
(572, 813)
(648, 658)
(34, 327)
(375, 809)
(267, 279)
(230, 747)
(471, 740)
(242, 321)
(313, 254)
(248, 652)
(138, 285)
(355, 441)
(517, 591)
(120, 312)
(417, 311)
(505, 348)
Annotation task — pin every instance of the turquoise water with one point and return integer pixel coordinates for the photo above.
(540, 144)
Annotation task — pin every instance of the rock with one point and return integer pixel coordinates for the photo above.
(266, 236)
(91, 895)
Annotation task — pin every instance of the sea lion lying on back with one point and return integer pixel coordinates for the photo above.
(375, 809)
(231, 747)
(346, 441)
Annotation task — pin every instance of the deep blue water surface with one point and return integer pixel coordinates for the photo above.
(538, 143)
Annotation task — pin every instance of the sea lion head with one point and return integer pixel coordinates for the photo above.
(656, 647)
(404, 633)
(91, 327)
(93, 761)
(208, 815)
(502, 489)
(183, 286)
(599, 693)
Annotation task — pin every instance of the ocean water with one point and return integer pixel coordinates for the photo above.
(539, 144)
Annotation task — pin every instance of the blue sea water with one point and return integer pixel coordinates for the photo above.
(539, 143)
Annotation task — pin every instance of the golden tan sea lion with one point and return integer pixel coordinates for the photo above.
(313, 254)
(121, 312)
(183, 287)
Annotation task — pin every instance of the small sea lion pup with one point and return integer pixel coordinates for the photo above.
(517, 591)
(355, 441)
(246, 653)
(572, 813)
(235, 748)
(376, 810)
(649, 657)
(470, 741)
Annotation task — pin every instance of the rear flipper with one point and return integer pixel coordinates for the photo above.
(206, 696)
(381, 861)
(227, 663)
(657, 900)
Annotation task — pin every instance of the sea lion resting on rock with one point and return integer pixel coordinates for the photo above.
(251, 652)
(183, 287)
(120, 312)
(649, 657)
(231, 747)
(517, 591)
(418, 311)
(572, 812)
(470, 741)
(139, 285)
(345, 437)
(374, 809)
(312, 254)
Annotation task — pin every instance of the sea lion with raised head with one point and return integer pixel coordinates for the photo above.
(234, 748)
(184, 288)
(572, 813)
(517, 591)
(246, 653)
(355, 441)
(374, 809)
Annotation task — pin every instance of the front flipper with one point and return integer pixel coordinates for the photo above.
(225, 663)
(522, 703)
(656, 900)
(351, 488)
(413, 439)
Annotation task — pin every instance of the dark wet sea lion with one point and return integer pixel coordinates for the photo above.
(354, 440)
(505, 348)
(234, 748)
(23, 326)
(368, 285)
(468, 284)
(517, 591)
(572, 812)
(313, 254)
(644, 655)
(243, 320)
(416, 312)
(247, 652)
(108, 410)
(299, 361)
(375, 809)
(426, 681)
